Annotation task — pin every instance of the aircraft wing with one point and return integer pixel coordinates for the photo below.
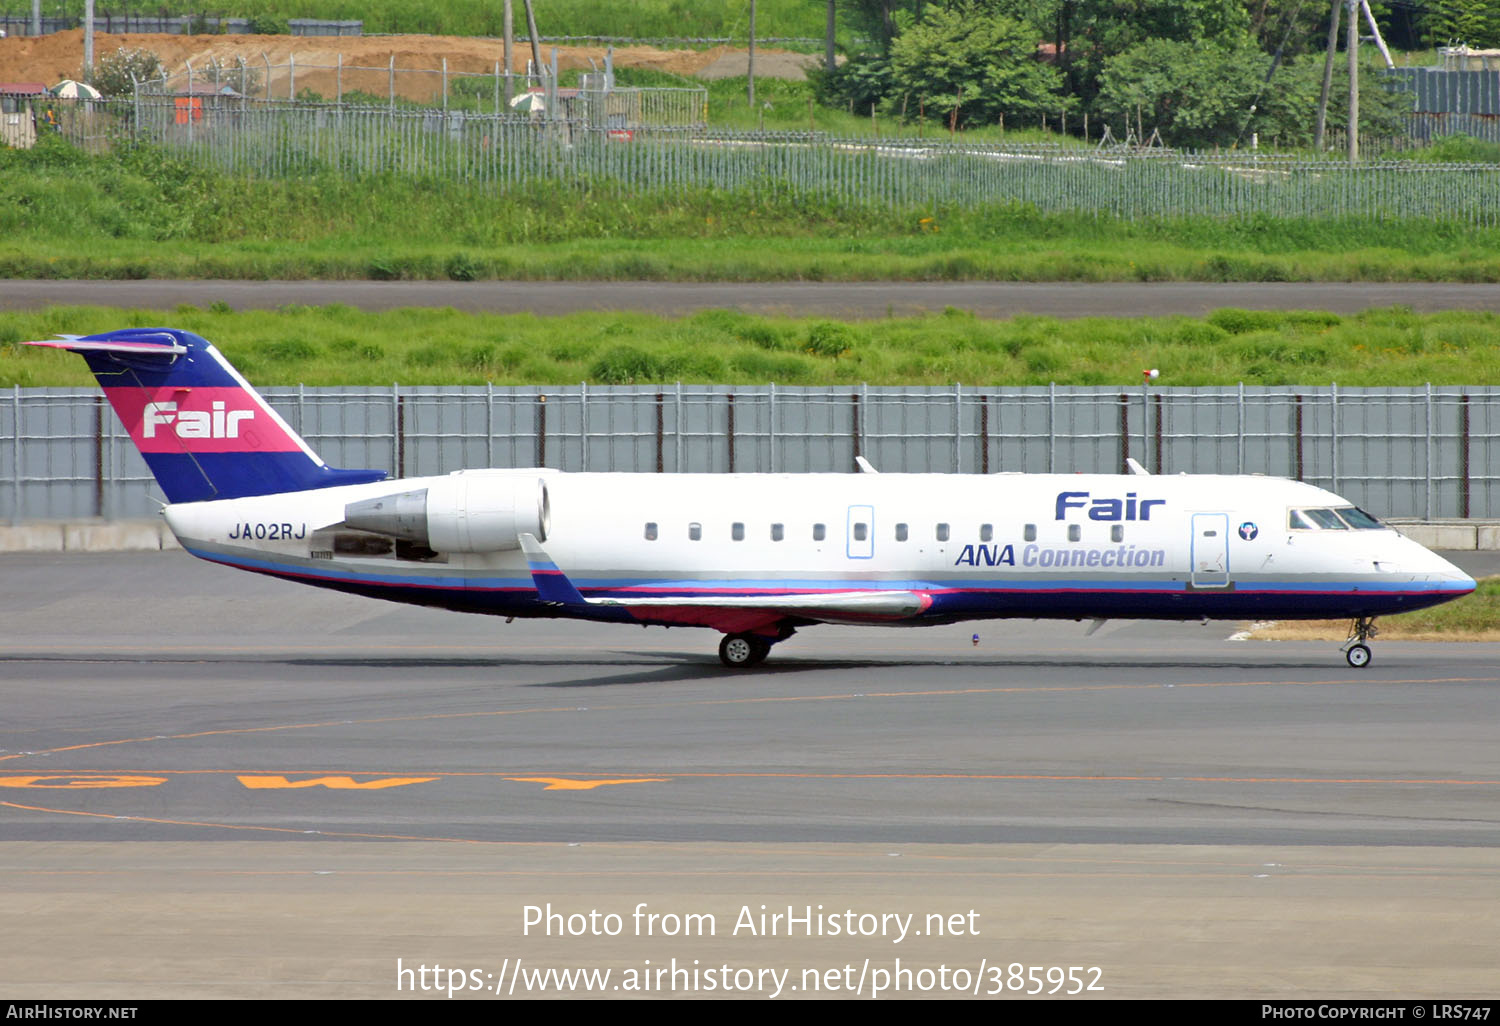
(736, 613)
(731, 613)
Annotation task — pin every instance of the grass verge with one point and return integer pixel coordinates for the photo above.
(337, 345)
(1475, 617)
(143, 213)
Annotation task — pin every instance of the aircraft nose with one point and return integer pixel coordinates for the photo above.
(1451, 577)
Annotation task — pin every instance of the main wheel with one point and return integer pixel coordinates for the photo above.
(1358, 656)
(738, 651)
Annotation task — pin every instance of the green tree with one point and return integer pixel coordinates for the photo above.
(1200, 96)
(1475, 22)
(962, 59)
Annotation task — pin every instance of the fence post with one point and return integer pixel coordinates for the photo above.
(583, 424)
(660, 432)
(98, 456)
(1297, 427)
(729, 431)
(1429, 450)
(1333, 432)
(984, 434)
(1241, 453)
(541, 430)
(1463, 455)
(489, 423)
(958, 423)
(395, 429)
(1160, 464)
(1052, 427)
(771, 428)
(15, 467)
(1124, 433)
(677, 428)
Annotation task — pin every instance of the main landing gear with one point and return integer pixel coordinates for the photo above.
(738, 651)
(1355, 650)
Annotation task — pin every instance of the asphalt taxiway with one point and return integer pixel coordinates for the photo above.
(218, 784)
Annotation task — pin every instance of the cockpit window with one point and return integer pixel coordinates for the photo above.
(1340, 518)
(1327, 519)
(1359, 519)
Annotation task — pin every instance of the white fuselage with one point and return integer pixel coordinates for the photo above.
(992, 546)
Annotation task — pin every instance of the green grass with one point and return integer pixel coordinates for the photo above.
(142, 213)
(1475, 617)
(1475, 613)
(637, 18)
(336, 345)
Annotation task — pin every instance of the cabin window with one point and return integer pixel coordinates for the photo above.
(1074, 532)
(1117, 533)
(861, 532)
(650, 532)
(819, 532)
(695, 532)
(901, 532)
(1028, 533)
(942, 532)
(737, 531)
(777, 532)
(986, 532)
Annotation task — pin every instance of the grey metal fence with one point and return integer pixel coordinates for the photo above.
(120, 20)
(1426, 452)
(278, 138)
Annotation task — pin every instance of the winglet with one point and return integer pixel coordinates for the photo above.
(551, 583)
(1135, 467)
(865, 466)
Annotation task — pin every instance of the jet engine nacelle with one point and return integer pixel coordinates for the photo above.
(461, 513)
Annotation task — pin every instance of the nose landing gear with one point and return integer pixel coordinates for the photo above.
(1356, 651)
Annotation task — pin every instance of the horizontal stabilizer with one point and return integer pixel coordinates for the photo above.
(166, 350)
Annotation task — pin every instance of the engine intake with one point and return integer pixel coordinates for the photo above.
(460, 513)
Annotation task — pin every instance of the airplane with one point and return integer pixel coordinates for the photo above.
(754, 556)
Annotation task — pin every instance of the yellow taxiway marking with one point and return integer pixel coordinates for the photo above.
(564, 784)
(339, 783)
(69, 782)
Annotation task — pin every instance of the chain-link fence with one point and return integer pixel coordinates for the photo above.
(653, 139)
(1427, 452)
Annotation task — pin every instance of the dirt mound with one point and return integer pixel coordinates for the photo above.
(366, 60)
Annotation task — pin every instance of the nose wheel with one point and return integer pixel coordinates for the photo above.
(1356, 650)
(738, 651)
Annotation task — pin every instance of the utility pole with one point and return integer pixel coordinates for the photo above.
(536, 44)
(828, 62)
(750, 68)
(88, 40)
(1351, 43)
(1333, 44)
(509, 28)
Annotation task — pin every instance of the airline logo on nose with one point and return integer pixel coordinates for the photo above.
(215, 423)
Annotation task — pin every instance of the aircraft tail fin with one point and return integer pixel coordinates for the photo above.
(203, 431)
